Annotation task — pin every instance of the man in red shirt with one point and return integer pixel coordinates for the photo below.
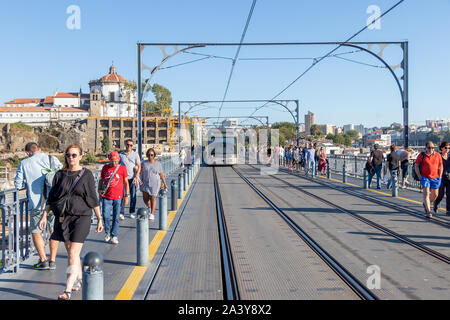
(111, 189)
(430, 173)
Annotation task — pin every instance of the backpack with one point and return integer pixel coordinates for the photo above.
(50, 174)
(414, 174)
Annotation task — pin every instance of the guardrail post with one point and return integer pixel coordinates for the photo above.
(92, 276)
(180, 186)
(344, 174)
(173, 195)
(142, 237)
(185, 179)
(365, 185)
(395, 186)
(162, 210)
(328, 172)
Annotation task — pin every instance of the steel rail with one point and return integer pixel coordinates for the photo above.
(386, 203)
(354, 284)
(403, 239)
(229, 280)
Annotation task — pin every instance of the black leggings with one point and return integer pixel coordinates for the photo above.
(444, 189)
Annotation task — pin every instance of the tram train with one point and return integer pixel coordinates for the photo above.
(222, 147)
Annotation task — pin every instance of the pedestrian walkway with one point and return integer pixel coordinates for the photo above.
(119, 261)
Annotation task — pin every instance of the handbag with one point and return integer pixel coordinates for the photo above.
(104, 188)
(59, 206)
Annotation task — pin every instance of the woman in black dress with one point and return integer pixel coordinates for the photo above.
(72, 226)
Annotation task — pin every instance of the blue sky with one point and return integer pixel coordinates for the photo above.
(41, 54)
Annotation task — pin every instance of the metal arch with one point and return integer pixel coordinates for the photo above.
(166, 57)
(382, 47)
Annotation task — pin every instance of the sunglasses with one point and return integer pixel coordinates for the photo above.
(129, 145)
(151, 154)
(73, 155)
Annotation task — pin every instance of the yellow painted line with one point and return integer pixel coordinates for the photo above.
(130, 286)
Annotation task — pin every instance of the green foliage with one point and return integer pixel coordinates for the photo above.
(354, 134)
(22, 125)
(286, 130)
(163, 98)
(315, 130)
(330, 136)
(15, 161)
(347, 140)
(434, 138)
(446, 137)
(106, 146)
(89, 158)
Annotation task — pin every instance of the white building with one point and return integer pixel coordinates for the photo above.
(111, 98)
(327, 128)
(70, 99)
(41, 116)
(23, 103)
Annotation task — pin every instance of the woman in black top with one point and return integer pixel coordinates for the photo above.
(393, 162)
(72, 227)
(444, 189)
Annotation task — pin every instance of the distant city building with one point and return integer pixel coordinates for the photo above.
(41, 116)
(327, 128)
(383, 140)
(360, 128)
(230, 123)
(110, 98)
(24, 103)
(309, 121)
(338, 130)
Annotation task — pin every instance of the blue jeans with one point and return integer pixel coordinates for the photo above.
(107, 206)
(132, 198)
(377, 171)
(311, 166)
(393, 179)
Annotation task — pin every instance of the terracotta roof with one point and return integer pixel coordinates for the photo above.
(23, 101)
(39, 109)
(66, 95)
(48, 100)
(113, 77)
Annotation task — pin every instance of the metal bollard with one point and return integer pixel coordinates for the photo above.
(92, 276)
(365, 182)
(142, 237)
(185, 179)
(395, 187)
(163, 209)
(344, 174)
(173, 195)
(180, 186)
(328, 172)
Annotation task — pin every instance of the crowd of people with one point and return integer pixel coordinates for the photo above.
(63, 199)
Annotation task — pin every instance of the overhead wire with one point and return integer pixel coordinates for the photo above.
(315, 62)
(237, 53)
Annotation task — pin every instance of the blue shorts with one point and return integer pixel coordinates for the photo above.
(430, 183)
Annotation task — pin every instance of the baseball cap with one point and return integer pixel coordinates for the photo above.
(114, 156)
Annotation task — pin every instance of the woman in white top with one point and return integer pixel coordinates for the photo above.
(151, 176)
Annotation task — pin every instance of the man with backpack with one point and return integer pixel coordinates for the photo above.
(376, 160)
(428, 168)
(32, 173)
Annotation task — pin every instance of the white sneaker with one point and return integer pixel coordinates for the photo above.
(132, 216)
(114, 240)
(152, 217)
(107, 238)
(121, 217)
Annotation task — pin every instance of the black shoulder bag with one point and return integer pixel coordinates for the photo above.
(59, 206)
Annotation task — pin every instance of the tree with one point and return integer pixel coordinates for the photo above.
(315, 130)
(163, 98)
(339, 139)
(330, 136)
(347, 140)
(354, 134)
(105, 144)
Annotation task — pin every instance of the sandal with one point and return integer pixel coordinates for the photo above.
(77, 285)
(66, 295)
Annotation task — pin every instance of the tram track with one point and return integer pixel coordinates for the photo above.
(350, 280)
(385, 230)
(229, 279)
(434, 219)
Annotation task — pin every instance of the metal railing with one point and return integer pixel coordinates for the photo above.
(355, 165)
(16, 244)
